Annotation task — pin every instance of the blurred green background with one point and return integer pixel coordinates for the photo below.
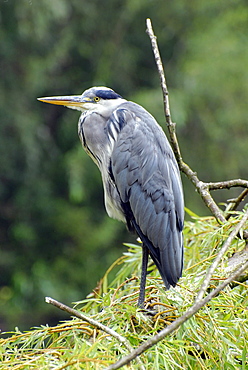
(55, 237)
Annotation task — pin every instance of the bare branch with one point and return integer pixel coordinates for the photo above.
(227, 184)
(93, 322)
(178, 322)
(170, 124)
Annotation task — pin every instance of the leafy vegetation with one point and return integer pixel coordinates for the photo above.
(215, 338)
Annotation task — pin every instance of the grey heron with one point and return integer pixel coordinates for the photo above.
(140, 175)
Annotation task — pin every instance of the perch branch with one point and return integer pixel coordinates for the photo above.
(202, 188)
(93, 322)
(178, 322)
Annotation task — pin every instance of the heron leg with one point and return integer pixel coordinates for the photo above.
(143, 276)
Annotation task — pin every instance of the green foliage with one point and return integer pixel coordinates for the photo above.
(215, 338)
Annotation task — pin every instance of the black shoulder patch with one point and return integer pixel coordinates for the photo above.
(110, 171)
(107, 94)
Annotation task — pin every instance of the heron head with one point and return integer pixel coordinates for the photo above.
(99, 99)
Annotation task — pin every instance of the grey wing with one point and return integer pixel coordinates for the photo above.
(148, 181)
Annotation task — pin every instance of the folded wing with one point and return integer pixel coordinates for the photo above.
(149, 185)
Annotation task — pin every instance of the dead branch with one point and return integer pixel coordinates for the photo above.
(227, 184)
(95, 323)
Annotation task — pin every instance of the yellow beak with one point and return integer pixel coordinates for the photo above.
(68, 101)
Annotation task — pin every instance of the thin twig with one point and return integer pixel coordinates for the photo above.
(223, 250)
(227, 184)
(158, 60)
(178, 322)
(95, 323)
(234, 203)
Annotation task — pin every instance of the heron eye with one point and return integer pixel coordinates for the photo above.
(96, 99)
